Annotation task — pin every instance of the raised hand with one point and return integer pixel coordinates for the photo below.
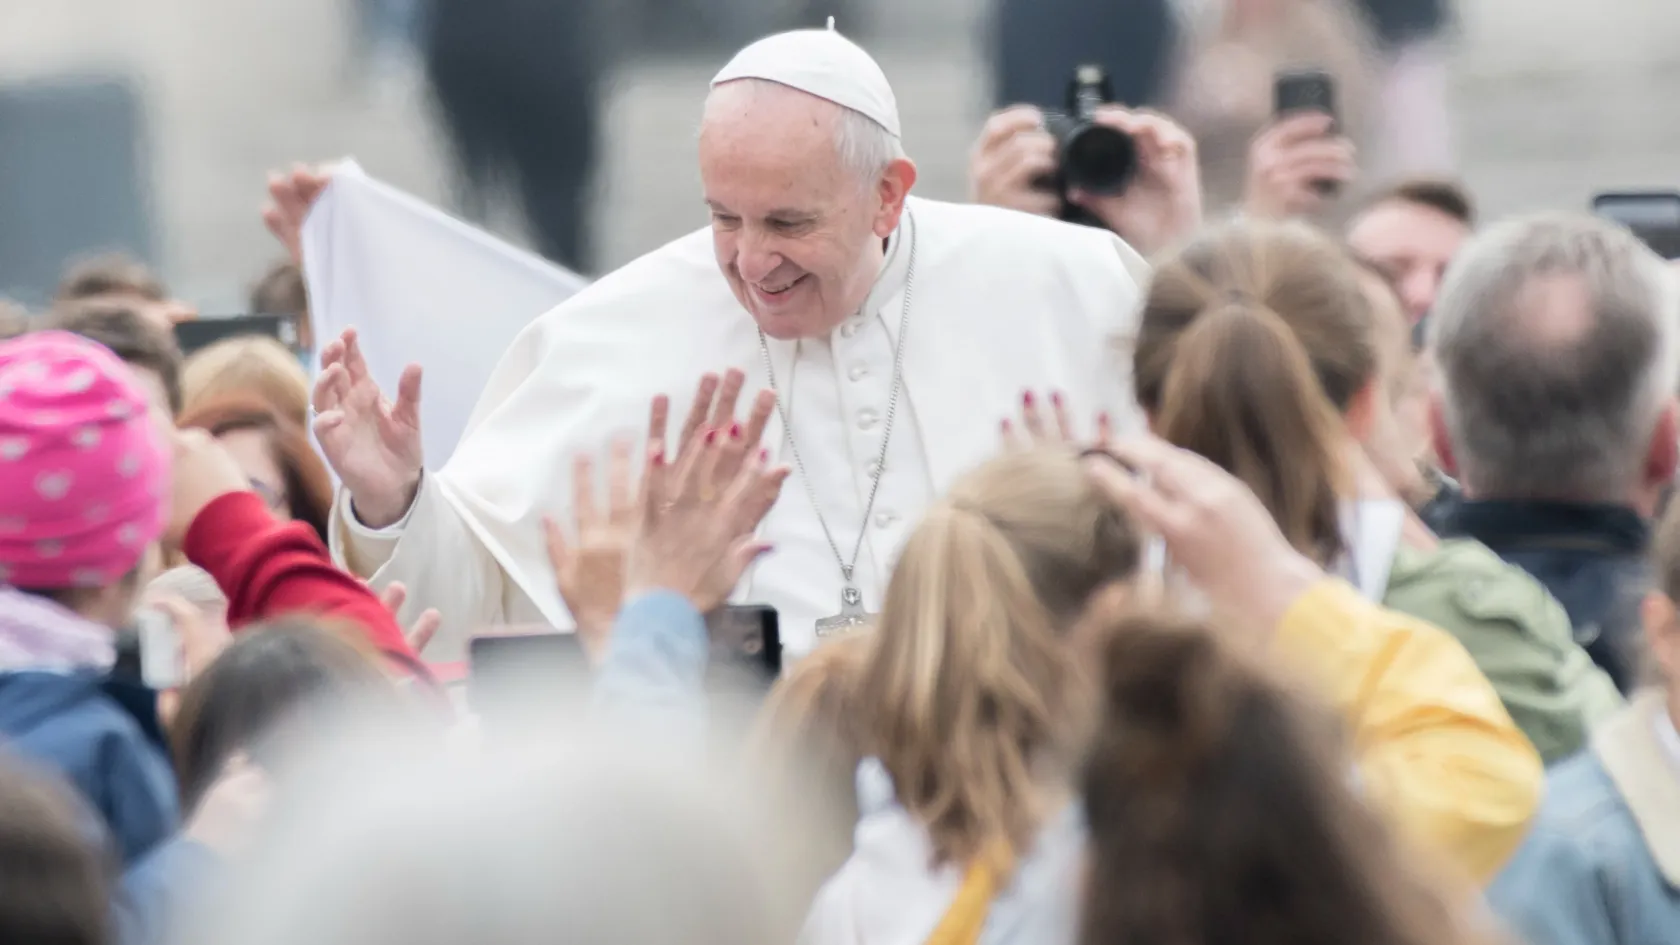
(1035, 427)
(697, 523)
(1012, 154)
(1296, 166)
(1215, 529)
(203, 473)
(589, 567)
(290, 195)
(1163, 203)
(419, 634)
(371, 443)
(714, 407)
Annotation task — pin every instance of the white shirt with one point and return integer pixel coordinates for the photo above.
(837, 393)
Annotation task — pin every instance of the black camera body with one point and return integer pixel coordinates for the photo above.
(1090, 156)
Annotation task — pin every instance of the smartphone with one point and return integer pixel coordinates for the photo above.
(525, 668)
(747, 637)
(1304, 90)
(1308, 90)
(162, 665)
(1652, 215)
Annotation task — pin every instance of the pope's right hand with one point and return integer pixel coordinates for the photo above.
(1014, 150)
(371, 443)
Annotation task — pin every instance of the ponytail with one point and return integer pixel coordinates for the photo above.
(964, 687)
(1241, 391)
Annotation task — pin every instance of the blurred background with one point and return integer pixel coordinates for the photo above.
(148, 125)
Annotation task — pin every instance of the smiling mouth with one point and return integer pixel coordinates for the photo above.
(776, 291)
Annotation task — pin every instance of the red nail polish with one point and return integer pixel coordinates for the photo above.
(764, 456)
(711, 437)
(734, 431)
(1102, 418)
(1056, 399)
(1027, 398)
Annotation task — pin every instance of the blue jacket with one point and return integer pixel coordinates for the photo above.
(68, 723)
(1601, 865)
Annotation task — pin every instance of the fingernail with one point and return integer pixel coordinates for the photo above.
(764, 456)
(1102, 418)
(711, 437)
(1056, 398)
(734, 431)
(1004, 425)
(1027, 398)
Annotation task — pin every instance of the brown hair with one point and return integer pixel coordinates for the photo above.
(1217, 799)
(1252, 340)
(283, 291)
(309, 492)
(265, 678)
(53, 884)
(130, 336)
(252, 366)
(1443, 195)
(113, 274)
(972, 682)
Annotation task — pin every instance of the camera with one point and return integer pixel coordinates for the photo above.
(1091, 157)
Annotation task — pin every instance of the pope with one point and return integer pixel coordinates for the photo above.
(893, 332)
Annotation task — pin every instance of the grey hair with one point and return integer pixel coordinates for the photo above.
(1538, 410)
(866, 147)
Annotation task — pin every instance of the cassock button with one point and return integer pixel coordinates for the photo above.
(885, 519)
(849, 329)
(857, 373)
(873, 469)
(867, 419)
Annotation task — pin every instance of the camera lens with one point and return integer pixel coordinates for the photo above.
(1098, 159)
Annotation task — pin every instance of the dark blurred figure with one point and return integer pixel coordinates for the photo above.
(1037, 43)
(515, 81)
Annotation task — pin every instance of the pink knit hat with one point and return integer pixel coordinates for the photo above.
(84, 469)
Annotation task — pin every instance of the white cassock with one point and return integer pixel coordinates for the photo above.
(1000, 303)
(1003, 302)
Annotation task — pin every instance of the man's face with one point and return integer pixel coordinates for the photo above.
(1412, 244)
(796, 233)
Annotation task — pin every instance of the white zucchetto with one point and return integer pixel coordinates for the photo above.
(821, 63)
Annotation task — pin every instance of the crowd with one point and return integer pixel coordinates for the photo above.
(1208, 574)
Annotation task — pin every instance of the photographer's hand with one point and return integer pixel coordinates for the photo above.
(1163, 203)
(1289, 163)
(1013, 151)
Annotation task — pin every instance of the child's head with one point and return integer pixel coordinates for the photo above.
(84, 475)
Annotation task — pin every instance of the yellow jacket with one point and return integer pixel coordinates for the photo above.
(1435, 747)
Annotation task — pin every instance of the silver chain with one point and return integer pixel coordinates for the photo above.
(847, 569)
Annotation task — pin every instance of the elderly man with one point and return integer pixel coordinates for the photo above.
(1556, 340)
(894, 332)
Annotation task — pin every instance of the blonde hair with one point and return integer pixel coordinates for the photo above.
(971, 684)
(249, 365)
(1253, 340)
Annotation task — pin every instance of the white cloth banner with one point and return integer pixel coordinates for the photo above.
(421, 287)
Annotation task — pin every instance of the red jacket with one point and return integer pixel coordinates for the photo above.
(269, 568)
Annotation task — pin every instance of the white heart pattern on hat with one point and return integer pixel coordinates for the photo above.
(86, 438)
(129, 465)
(54, 485)
(13, 448)
(79, 381)
(128, 534)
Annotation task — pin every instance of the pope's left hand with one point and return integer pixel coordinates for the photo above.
(1163, 203)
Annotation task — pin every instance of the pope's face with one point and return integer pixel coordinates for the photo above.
(797, 233)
